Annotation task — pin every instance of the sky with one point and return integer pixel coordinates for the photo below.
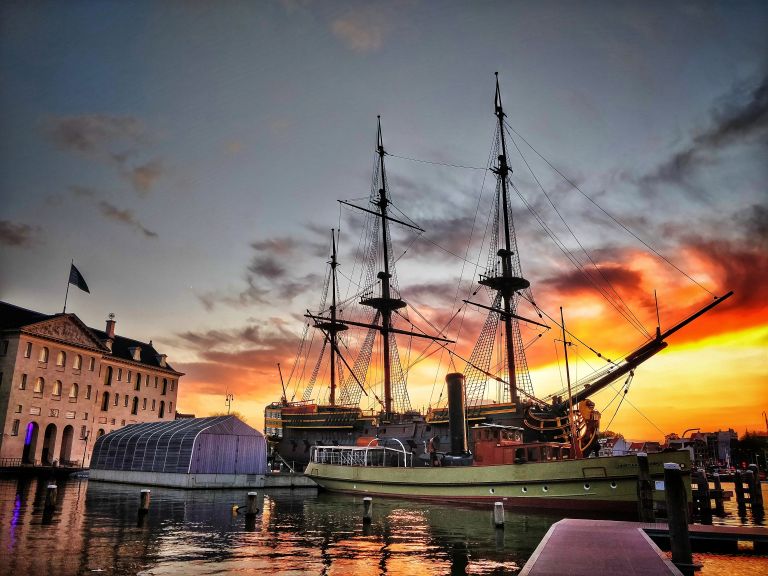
(189, 155)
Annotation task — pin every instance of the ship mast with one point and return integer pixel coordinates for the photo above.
(333, 326)
(507, 284)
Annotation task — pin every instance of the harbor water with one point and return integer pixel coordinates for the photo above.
(96, 529)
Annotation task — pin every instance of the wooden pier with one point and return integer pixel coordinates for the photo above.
(574, 547)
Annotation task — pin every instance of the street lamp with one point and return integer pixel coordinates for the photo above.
(228, 401)
(85, 451)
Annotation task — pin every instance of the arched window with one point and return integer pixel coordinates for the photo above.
(39, 385)
(135, 405)
(56, 388)
(100, 432)
(108, 376)
(43, 357)
(73, 390)
(78, 362)
(165, 386)
(161, 412)
(137, 386)
(104, 404)
(117, 399)
(61, 358)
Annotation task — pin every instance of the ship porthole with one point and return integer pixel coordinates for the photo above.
(491, 490)
(613, 484)
(544, 488)
(525, 489)
(586, 486)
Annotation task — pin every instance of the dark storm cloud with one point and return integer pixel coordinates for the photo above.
(740, 119)
(17, 234)
(124, 216)
(266, 267)
(620, 278)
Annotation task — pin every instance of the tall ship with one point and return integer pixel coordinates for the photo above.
(497, 366)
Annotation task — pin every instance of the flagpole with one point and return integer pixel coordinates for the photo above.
(67, 293)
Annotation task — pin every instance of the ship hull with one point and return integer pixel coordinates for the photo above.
(607, 484)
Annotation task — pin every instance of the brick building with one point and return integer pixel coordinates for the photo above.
(63, 384)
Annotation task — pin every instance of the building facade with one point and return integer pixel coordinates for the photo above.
(63, 384)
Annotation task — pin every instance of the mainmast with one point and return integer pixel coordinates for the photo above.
(385, 304)
(508, 283)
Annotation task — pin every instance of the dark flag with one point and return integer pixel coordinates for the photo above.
(77, 279)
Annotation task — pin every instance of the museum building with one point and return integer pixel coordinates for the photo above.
(63, 384)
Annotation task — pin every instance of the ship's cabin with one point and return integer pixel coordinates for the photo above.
(496, 444)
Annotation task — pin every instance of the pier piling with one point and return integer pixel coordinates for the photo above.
(498, 514)
(719, 495)
(677, 517)
(252, 508)
(738, 486)
(51, 496)
(144, 500)
(367, 509)
(703, 497)
(644, 489)
(756, 493)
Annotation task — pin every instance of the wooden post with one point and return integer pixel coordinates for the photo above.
(738, 486)
(51, 496)
(756, 494)
(644, 489)
(144, 501)
(719, 496)
(677, 517)
(498, 514)
(704, 498)
(367, 509)
(252, 508)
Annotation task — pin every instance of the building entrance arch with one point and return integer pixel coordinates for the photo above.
(49, 445)
(65, 454)
(30, 443)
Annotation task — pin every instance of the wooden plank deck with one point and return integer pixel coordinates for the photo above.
(574, 547)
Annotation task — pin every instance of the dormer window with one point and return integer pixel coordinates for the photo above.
(135, 352)
(161, 359)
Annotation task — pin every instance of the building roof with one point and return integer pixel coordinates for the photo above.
(180, 447)
(15, 318)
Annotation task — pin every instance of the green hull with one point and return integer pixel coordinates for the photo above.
(607, 484)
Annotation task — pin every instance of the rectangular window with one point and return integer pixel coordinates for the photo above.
(70, 415)
(15, 428)
(117, 399)
(23, 383)
(34, 411)
(153, 404)
(173, 385)
(144, 404)
(129, 376)
(119, 374)
(83, 430)
(19, 408)
(91, 363)
(88, 392)
(28, 350)
(85, 416)
(155, 381)
(122, 422)
(126, 400)
(112, 421)
(1, 378)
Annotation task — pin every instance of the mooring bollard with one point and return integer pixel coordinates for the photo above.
(756, 495)
(704, 498)
(252, 508)
(498, 514)
(677, 517)
(144, 500)
(367, 509)
(51, 496)
(719, 495)
(644, 489)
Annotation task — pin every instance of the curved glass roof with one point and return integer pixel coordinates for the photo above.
(154, 446)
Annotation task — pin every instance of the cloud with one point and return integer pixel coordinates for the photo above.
(119, 141)
(144, 176)
(740, 119)
(16, 234)
(126, 216)
(365, 28)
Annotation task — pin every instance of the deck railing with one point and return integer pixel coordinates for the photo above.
(362, 455)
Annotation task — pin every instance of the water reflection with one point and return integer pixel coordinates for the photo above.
(96, 528)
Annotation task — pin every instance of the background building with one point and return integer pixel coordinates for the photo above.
(63, 384)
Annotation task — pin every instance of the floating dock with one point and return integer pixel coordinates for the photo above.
(574, 547)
